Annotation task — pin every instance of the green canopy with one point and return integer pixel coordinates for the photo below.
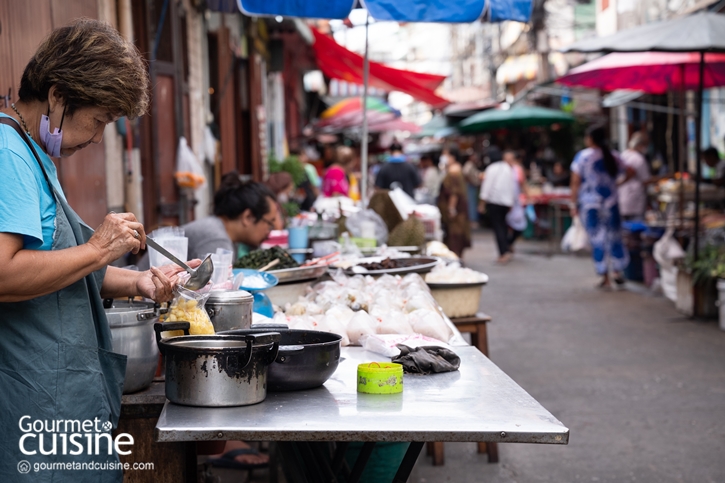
(433, 126)
(516, 117)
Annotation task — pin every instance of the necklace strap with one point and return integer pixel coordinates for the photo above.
(22, 120)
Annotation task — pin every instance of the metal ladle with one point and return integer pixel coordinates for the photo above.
(199, 277)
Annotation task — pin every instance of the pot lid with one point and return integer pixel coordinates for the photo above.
(230, 297)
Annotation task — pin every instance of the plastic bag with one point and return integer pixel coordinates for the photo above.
(667, 250)
(386, 344)
(188, 306)
(358, 223)
(189, 172)
(575, 238)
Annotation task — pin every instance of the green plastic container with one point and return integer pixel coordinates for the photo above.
(380, 378)
(383, 463)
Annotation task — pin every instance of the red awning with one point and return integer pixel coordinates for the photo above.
(336, 62)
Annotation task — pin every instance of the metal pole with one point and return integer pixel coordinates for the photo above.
(698, 149)
(364, 140)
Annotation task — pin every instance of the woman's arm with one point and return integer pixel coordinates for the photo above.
(27, 274)
(156, 284)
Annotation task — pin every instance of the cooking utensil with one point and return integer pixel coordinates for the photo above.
(199, 276)
(132, 329)
(216, 370)
(290, 275)
(413, 265)
(230, 309)
(306, 358)
(271, 264)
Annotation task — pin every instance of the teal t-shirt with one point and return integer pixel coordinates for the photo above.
(27, 205)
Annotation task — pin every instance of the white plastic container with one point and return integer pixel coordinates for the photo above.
(721, 301)
(179, 246)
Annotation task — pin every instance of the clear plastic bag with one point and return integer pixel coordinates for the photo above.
(189, 172)
(188, 306)
(362, 223)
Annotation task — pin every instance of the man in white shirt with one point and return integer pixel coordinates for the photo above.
(498, 191)
(633, 192)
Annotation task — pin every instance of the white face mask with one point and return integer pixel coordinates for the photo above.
(283, 197)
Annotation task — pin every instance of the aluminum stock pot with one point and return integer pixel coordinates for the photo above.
(230, 309)
(216, 370)
(132, 329)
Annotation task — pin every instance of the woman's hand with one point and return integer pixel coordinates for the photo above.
(158, 283)
(119, 234)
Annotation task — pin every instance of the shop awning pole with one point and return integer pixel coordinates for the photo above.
(364, 139)
(698, 156)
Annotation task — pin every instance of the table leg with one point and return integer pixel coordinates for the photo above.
(362, 460)
(439, 456)
(406, 466)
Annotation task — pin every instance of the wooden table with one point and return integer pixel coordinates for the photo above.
(476, 326)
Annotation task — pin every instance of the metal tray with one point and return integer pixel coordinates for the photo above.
(298, 274)
(438, 285)
(421, 265)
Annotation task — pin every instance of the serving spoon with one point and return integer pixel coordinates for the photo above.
(199, 277)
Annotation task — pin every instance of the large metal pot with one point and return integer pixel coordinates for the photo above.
(306, 358)
(230, 309)
(132, 329)
(216, 370)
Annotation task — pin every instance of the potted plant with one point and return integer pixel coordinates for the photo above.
(696, 284)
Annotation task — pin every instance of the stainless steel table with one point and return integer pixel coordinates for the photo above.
(478, 403)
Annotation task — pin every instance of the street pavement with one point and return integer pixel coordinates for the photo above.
(641, 387)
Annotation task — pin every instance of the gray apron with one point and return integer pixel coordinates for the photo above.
(56, 364)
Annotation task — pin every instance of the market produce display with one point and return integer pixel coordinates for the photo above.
(357, 306)
(454, 273)
(259, 258)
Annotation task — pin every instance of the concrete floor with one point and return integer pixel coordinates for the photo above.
(641, 388)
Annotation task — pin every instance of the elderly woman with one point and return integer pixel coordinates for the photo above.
(56, 362)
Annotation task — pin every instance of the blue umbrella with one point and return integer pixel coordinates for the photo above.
(458, 11)
(447, 11)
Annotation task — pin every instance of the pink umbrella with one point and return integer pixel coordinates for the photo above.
(394, 125)
(651, 72)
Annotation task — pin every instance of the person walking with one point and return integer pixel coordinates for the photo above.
(473, 175)
(633, 194)
(453, 206)
(431, 179)
(516, 217)
(397, 171)
(594, 196)
(498, 195)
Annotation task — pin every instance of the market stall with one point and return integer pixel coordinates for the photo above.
(477, 403)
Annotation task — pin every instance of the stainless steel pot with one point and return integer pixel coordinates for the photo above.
(132, 329)
(230, 309)
(216, 370)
